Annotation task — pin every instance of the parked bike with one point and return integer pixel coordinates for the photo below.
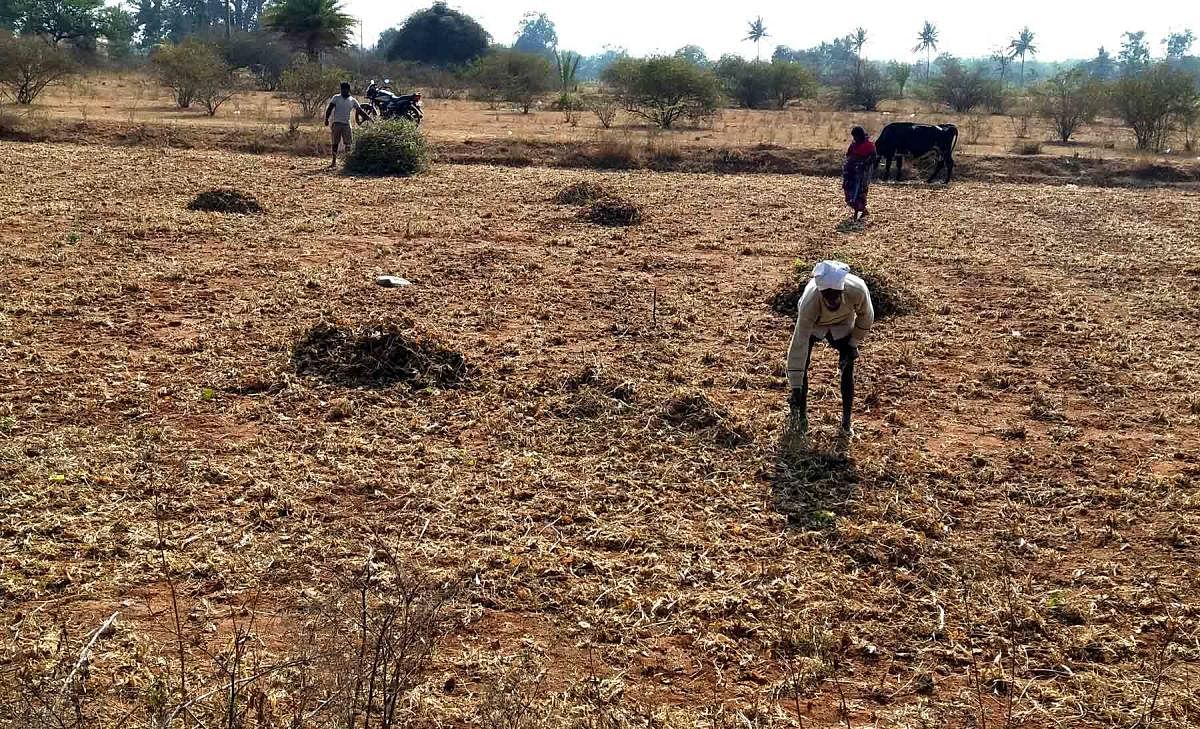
(383, 103)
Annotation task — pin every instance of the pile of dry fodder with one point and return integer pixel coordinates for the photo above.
(378, 354)
(226, 200)
(889, 296)
(613, 211)
(582, 193)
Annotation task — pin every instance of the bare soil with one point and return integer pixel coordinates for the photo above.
(1013, 532)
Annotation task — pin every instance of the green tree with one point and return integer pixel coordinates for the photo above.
(309, 87)
(117, 25)
(28, 65)
(1003, 60)
(191, 69)
(1102, 67)
(1068, 100)
(1178, 44)
(566, 68)
(927, 41)
(695, 55)
(439, 36)
(1152, 101)
(536, 34)
(513, 76)
(858, 40)
(790, 81)
(961, 89)
(1021, 46)
(863, 89)
(77, 21)
(746, 82)
(313, 25)
(664, 89)
(1135, 54)
(899, 73)
(756, 33)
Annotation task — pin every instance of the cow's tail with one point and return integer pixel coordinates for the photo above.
(954, 139)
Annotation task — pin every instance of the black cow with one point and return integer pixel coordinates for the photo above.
(917, 140)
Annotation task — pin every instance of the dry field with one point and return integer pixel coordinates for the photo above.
(136, 98)
(607, 523)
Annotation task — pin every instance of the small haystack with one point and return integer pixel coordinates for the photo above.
(888, 296)
(378, 355)
(613, 211)
(582, 193)
(226, 200)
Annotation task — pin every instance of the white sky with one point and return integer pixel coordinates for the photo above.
(1065, 29)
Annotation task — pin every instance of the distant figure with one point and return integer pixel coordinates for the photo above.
(857, 171)
(339, 108)
(836, 307)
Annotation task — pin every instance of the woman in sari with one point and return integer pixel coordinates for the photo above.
(857, 171)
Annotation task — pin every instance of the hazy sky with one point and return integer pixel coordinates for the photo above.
(1065, 28)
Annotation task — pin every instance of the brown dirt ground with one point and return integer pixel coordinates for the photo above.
(1020, 499)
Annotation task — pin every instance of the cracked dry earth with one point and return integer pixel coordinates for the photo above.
(1012, 537)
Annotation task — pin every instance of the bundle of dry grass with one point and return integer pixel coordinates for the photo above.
(226, 200)
(581, 193)
(694, 412)
(378, 355)
(888, 296)
(613, 211)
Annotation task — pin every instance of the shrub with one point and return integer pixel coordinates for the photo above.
(1068, 100)
(790, 81)
(28, 65)
(391, 147)
(261, 53)
(309, 86)
(664, 89)
(1027, 147)
(513, 76)
(863, 89)
(962, 90)
(605, 108)
(1152, 101)
(194, 71)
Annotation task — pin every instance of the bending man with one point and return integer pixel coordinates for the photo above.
(835, 307)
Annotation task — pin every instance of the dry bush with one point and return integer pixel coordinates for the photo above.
(377, 355)
(613, 211)
(593, 392)
(389, 147)
(226, 200)
(694, 412)
(581, 193)
(1026, 147)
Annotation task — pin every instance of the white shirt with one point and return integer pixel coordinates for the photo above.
(342, 106)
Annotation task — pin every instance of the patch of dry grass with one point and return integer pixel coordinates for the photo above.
(155, 439)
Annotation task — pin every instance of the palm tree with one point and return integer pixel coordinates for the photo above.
(1021, 45)
(927, 41)
(858, 39)
(313, 25)
(758, 31)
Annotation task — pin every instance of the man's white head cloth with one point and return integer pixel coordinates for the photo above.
(830, 275)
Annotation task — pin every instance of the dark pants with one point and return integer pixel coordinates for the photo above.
(847, 353)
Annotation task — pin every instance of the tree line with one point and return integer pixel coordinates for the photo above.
(205, 50)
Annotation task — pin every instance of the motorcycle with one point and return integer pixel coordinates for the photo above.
(383, 103)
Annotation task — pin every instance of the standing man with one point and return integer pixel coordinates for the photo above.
(835, 307)
(339, 108)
